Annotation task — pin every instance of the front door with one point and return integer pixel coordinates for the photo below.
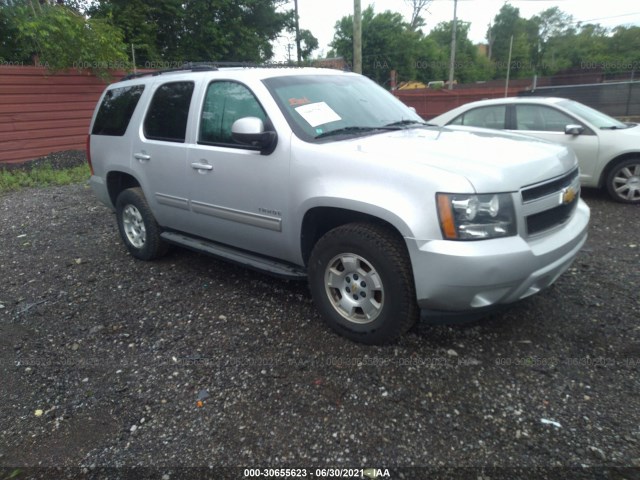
(548, 123)
(238, 196)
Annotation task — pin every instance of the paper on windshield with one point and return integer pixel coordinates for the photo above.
(318, 113)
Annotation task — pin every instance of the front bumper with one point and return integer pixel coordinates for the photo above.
(459, 276)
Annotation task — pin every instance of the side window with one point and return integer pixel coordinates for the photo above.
(116, 110)
(485, 117)
(541, 118)
(168, 113)
(224, 103)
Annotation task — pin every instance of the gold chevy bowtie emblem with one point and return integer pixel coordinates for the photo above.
(568, 195)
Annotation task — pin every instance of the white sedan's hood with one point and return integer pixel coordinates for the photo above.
(621, 140)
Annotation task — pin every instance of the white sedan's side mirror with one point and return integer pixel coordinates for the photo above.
(573, 129)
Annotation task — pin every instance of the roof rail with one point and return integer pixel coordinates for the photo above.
(235, 64)
(187, 67)
(207, 67)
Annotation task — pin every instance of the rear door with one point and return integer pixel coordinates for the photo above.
(160, 153)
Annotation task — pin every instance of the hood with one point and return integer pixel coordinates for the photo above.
(630, 136)
(491, 161)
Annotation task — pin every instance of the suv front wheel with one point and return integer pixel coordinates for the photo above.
(138, 227)
(361, 281)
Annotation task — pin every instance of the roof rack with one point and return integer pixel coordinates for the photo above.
(187, 67)
(208, 67)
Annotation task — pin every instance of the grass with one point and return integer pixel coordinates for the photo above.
(14, 474)
(42, 176)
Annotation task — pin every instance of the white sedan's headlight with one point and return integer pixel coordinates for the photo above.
(476, 217)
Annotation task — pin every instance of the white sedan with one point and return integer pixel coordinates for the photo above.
(608, 150)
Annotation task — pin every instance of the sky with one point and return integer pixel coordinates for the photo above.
(320, 16)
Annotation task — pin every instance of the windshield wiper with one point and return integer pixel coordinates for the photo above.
(402, 123)
(614, 127)
(349, 130)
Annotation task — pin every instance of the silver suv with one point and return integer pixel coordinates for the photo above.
(320, 174)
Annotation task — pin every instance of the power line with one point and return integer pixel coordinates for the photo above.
(606, 18)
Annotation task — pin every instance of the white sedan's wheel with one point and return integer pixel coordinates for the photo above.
(623, 182)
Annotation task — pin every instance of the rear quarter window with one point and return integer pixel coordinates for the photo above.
(116, 110)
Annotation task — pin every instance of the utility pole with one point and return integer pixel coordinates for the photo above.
(506, 85)
(453, 44)
(490, 39)
(289, 47)
(133, 59)
(295, 2)
(357, 37)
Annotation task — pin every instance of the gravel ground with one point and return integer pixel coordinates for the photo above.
(103, 359)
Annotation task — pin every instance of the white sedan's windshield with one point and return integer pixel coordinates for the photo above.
(338, 105)
(594, 117)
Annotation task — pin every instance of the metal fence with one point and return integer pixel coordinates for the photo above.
(431, 103)
(41, 113)
(618, 99)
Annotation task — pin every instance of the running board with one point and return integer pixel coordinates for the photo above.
(242, 257)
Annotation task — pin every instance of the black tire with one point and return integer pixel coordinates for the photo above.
(371, 263)
(623, 181)
(138, 227)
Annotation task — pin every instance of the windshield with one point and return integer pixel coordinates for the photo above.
(594, 117)
(333, 107)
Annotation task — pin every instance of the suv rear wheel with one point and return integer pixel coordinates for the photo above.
(361, 281)
(138, 227)
(623, 181)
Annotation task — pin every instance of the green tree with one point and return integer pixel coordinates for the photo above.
(507, 24)
(388, 43)
(152, 27)
(232, 30)
(469, 65)
(11, 48)
(198, 30)
(62, 38)
(432, 62)
(308, 43)
(589, 46)
(416, 10)
(553, 27)
(625, 46)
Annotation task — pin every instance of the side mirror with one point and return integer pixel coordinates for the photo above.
(250, 131)
(573, 129)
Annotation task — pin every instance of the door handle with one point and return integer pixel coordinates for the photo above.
(143, 157)
(202, 166)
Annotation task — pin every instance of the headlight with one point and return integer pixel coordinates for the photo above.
(476, 217)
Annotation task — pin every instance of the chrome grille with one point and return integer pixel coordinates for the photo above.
(539, 191)
(550, 204)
